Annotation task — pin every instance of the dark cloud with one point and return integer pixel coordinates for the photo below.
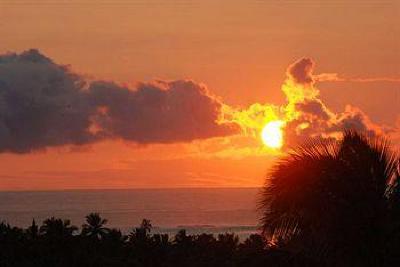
(41, 104)
(162, 112)
(313, 108)
(44, 104)
(301, 71)
(328, 125)
(355, 119)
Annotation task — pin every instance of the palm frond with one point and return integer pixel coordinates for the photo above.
(331, 193)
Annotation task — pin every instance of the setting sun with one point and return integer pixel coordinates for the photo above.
(272, 134)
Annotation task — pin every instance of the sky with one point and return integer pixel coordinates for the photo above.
(133, 94)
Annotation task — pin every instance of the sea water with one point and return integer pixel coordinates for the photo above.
(198, 210)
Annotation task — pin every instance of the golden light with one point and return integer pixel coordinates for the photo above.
(272, 135)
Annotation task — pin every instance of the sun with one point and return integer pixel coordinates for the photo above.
(272, 135)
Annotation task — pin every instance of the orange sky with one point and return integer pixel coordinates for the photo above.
(239, 49)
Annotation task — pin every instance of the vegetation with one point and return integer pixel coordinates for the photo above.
(328, 204)
(58, 243)
(336, 203)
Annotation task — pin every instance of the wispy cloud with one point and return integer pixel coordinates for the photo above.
(335, 77)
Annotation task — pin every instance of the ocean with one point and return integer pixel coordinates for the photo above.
(198, 210)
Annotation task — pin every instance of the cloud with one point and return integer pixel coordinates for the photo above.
(306, 114)
(41, 104)
(160, 112)
(314, 109)
(44, 104)
(327, 77)
(355, 119)
(335, 77)
(301, 71)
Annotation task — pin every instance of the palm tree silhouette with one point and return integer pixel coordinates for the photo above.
(146, 225)
(4, 228)
(33, 230)
(141, 234)
(55, 228)
(94, 226)
(9, 233)
(115, 236)
(182, 238)
(335, 201)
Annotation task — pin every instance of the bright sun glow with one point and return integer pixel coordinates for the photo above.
(272, 135)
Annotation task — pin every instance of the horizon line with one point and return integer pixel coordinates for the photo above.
(124, 189)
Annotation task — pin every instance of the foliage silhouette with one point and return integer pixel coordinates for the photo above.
(33, 230)
(58, 243)
(94, 226)
(55, 228)
(335, 202)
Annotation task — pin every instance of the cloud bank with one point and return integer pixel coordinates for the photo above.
(44, 104)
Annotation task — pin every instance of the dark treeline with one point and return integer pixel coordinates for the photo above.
(58, 243)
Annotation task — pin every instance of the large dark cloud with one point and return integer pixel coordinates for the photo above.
(44, 104)
(41, 104)
(161, 112)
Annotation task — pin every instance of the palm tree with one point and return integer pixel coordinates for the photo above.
(9, 233)
(141, 233)
(33, 230)
(146, 225)
(182, 238)
(55, 228)
(334, 200)
(4, 228)
(94, 226)
(115, 236)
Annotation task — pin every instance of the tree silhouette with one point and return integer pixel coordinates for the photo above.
(182, 238)
(64, 249)
(141, 233)
(9, 233)
(146, 225)
(94, 226)
(33, 230)
(55, 228)
(4, 229)
(334, 201)
(115, 236)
